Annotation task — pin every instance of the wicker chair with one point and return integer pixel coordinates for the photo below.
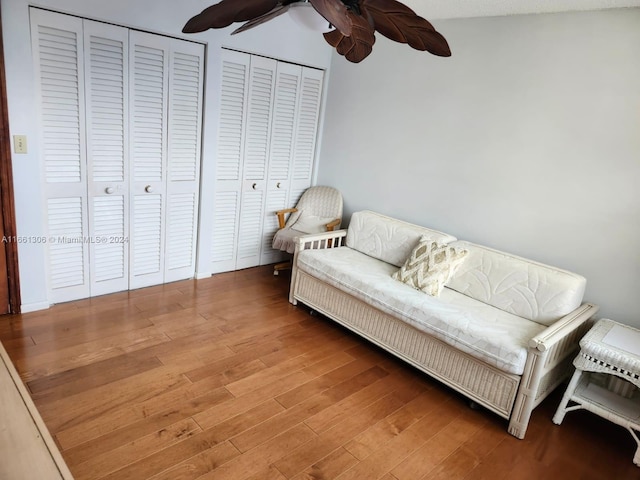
(318, 210)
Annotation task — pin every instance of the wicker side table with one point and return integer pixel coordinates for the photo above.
(612, 349)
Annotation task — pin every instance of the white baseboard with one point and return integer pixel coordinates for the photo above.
(200, 276)
(34, 307)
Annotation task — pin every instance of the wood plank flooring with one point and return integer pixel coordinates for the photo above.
(222, 378)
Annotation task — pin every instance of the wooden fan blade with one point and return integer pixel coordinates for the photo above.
(336, 14)
(399, 23)
(226, 12)
(276, 12)
(358, 46)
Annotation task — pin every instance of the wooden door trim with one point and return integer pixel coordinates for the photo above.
(6, 190)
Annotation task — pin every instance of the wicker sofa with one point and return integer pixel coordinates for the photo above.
(503, 331)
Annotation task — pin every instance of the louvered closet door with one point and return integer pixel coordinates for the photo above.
(269, 114)
(121, 136)
(306, 132)
(285, 107)
(165, 113)
(228, 184)
(149, 67)
(256, 160)
(58, 54)
(183, 182)
(106, 80)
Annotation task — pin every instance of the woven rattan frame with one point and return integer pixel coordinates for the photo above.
(511, 396)
(620, 406)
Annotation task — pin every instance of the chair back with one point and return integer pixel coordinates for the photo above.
(321, 201)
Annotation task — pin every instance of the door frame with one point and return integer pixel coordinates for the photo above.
(6, 190)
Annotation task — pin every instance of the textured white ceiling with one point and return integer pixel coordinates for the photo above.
(434, 9)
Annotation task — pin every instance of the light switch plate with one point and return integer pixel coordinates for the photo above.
(20, 143)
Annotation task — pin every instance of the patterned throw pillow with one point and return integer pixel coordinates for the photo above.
(430, 266)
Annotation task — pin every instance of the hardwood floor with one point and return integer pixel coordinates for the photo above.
(223, 379)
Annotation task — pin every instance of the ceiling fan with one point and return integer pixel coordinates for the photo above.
(354, 22)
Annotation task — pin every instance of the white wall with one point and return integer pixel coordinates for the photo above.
(527, 139)
(279, 38)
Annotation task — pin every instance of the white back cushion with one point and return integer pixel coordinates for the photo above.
(386, 238)
(516, 285)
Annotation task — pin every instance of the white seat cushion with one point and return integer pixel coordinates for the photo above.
(498, 338)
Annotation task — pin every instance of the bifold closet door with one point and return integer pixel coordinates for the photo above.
(284, 123)
(149, 66)
(293, 146)
(82, 69)
(59, 62)
(269, 113)
(262, 75)
(305, 145)
(186, 79)
(246, 105)
(166, 111)
(106, 88)
(121, 138)
(228, 184)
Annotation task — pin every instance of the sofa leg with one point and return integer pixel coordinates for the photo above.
(517, 430)
(520, 415)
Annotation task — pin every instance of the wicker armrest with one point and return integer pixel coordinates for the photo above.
(282, 213)
(333, 224)
(560, 329)
(331, 239)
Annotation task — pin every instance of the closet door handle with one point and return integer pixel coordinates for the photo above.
(278, 185)
(148, 189)
(109, 190)
(254, 186)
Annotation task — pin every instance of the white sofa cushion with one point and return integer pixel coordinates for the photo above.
(492, 335)
(517, 285)
(386, 238)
